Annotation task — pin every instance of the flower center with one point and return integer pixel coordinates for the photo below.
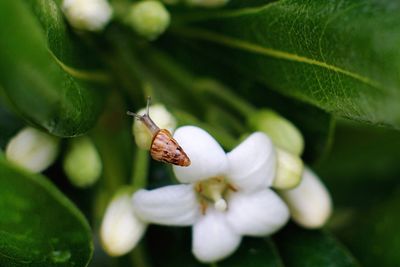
(213, 191)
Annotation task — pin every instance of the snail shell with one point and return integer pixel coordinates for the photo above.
(163, 146)
(166, 149)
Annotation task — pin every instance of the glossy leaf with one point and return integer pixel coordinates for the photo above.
(373, 232)
(299, 247)
(341, 56)
(41, 72)
(38, 225)
(315, 124)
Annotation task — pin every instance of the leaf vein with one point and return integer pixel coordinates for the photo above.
(197, 33)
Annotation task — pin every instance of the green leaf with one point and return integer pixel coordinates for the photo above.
(9, 124)
(362, 167)
(38, 225)
(299, 247)
(254, 252)
(315, 124)
(373, 233)
(43, 70)
(341, 56)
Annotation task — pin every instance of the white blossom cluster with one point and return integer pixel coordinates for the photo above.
(223, 196)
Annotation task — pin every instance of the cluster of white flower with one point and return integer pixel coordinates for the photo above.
(223, 196)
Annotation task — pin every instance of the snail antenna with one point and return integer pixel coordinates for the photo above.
(148, 105)
(136, 116)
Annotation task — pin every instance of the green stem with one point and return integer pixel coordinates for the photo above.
(138, 256)
(214, 264)
(223, 137)
(140, 169)
(216, 89)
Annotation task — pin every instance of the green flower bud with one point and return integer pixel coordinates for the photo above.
(207, 3)
(282, 132)
(121, 229)
(32, 149)
(289, 170)
(161, 117)
(148, 18)
(82, 163)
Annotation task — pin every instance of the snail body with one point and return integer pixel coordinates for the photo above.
(163, 147)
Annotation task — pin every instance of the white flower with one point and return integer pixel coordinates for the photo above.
(121, 230)
(91, 15)
(310, 203)
(32, 149)
(161, 117)
(224, 196)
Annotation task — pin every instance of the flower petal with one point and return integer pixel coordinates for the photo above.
(257, 214)
(207, 157)
(252, 164)
(213, 239)
(121, 229)
(169, 205)
(310, 203)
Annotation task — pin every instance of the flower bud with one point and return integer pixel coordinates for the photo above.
(91, 15)
(207, 3)
(121, 229)
(310, 203)
(148, 18)
(32, 149)
(82, 163)
(289, 170)
(161, 117)
(282, 132)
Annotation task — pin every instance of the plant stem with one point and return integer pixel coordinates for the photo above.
(138, 256)
(220, 91)
(223, 137)
(140, 169)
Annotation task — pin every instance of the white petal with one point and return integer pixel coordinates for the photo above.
(32, 149)
(121, 229)
(310, 203)
(252, 164)
(169, 205)
(207, 157)
(258, 213)
(213, 239)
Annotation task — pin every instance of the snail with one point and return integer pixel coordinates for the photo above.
(163, 146)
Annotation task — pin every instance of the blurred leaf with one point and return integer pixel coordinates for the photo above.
(9, 124)
(165, 242)
(40, 72)
(299, 247)
(373, 235)
(363, 165)
(254, 252)
(341, 56)
(38, 225)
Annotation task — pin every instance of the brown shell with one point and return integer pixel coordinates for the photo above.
(166, 149)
